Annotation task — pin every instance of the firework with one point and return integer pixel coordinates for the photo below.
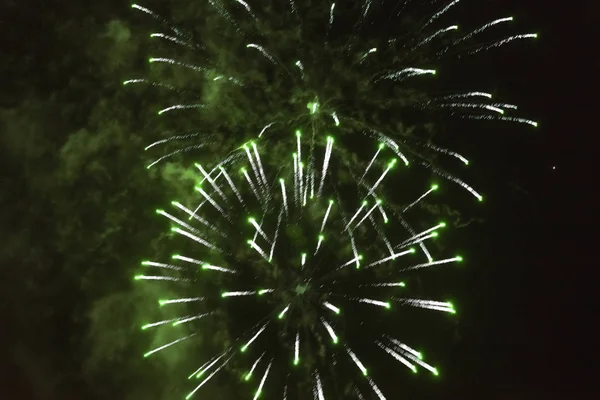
(376, 70)
(294, 271)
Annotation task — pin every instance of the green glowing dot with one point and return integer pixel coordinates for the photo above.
(335, 340)
(365, 372)
(434, 187)
(281, 180)
(162, 302)
(247, 377)
(381, 145)
(435, 372)
(296, 361)
(459, 258)
(412, 250)
(330, 201)
(434, 234)
(251, 219)
(150, 60)
(147, 354)
(466, 162)
(442, 224)
(144, 327)
(364, 203)
(173, 229)
(321, 237)
(480, 198)
(298, 133)
(388, 305)
(244, 349)
(402, 284)
(138, 277)
(434, 72)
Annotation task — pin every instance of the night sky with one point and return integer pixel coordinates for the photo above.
(77, 212)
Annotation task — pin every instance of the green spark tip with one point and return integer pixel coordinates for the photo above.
(281, 180)
(321, 237)
(381, 145)
(412, 250)
(360, 257)
(402, 284)
(388, 305)
(144, 327)
(435, 372)
(175, 256)
(162, 302)
(335, 341)
(251, 219)
(459, 258)
(330, 201)
(247, 377)
(296, 361)
(159, 211)
(243, 349)
(173, 229)
(298, 133)
(364, 203)
(442, 224)
(434, 234)
(137, 277)
(146, 355)
(434, 187)
(365, 372)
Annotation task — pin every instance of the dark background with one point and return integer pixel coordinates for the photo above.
(75, 205)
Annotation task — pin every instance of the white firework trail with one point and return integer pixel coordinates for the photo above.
(181, 107)
(232, 185)
(471, 105)
(367, 214)
(432, 263)
(483, 28)
(259, 229)
(282, 313)
(297, 348)
(502, 118)
(381, 146)
(212, 201)
(159, 278)
(237, 294)
(358, 363)
(326, 215)
(260, 167)
(329, 330)
(263, 51)
(211, 181)
(406, 73)
(378, 303)
(208, 378)
(161, 265)
(245, 173)
(187, 259)
(182, 300)
(196, 239)
(178, 151)
(389, 167)
(319, 387)
(168, 345)
(428, 304)
(436, 34)
(265, 128)
(171, 61)
(256, 247)
(159, 323)
(206, 366)
(325, 163)
(217, 268)
(504, 41)
(331, 307)
(432, 189)
(262, 382)
(453, 179)
(191, 318)
(397, 356)
(249, 374)
(254, 168)
(261, 330)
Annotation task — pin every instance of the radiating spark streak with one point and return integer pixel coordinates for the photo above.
(301, 181)
(211, 201)
(449, 152)
(211, 181)
(432, 263)
(196, 68)
(440, 225)
(182, 300)
(231, 184)
(236, 294)
(260, 167)
(453, 179)
(440, 13)
(381, 234)
(367, 214)
(249, 374)
(303, 260)
(192, 318)
(389, 166)
(481, 29)
(405, 347)
(217, 268)
(256, 247)
(502, 118)
(158, 18)
(471, 105)
(297, 349)
(262, 382)
(168, 345)
(161, 265)
(193, 215)
(319, 244)
(397, 356)
(251, 183)
(187, 259)
(328, 149)
(406, 73)
(259, 229)
(431, 37)
(376, 389)
(359, 364)
(364, 57)
(275, 238)
(319, 387)
(422, 363)
(176, 137)
(381, 210)
(265, 128)
(326, 215)
(207, 378)
(503, 42)
(284, 195)
(181, 107)
(174, 40)
(206, 366)
(162, 86)
(282, 313)
(185, 149)
(264, 291)
(254, 337)
(363, 205)
(335, 118)
(390, 284)
(463, 95)
(295, 157)
(331, 307)
(329, 330)
(503, 105)
(262, 51)
(419, 240)
(159, 323)
(375, 302)
(196, 238)
(356, 259)
(430, 304)
(254, 169)
(381, 146)
(159, 278)
(301, 68)
(248, 9)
